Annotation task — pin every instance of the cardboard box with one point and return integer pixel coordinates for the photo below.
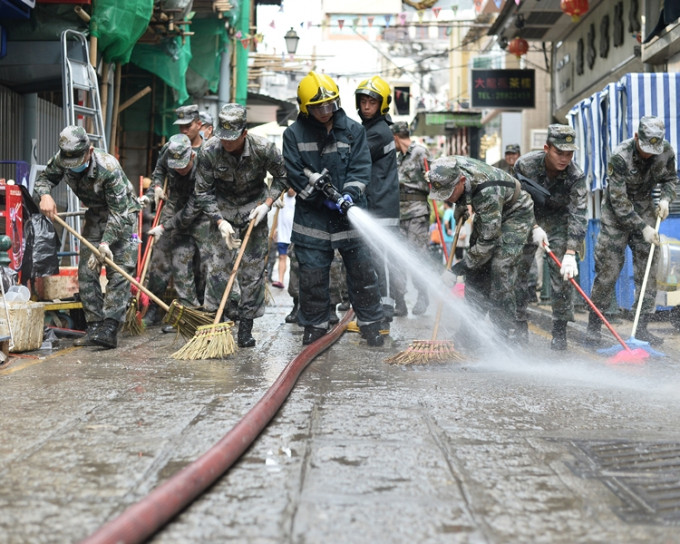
(27, 321)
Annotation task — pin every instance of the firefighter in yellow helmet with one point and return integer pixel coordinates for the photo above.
(373, 98)
(323, 139)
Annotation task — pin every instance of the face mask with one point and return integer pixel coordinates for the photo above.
(202, 134)
(80, 168)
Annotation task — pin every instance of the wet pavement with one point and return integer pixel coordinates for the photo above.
(508, 445)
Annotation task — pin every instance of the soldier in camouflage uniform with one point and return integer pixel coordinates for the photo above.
(635, 168)
(563, 217)
(99, 182)
(503, 218)
(160, 268)
(508, 162)
(414, 212)
(231, 190)
(186, 226)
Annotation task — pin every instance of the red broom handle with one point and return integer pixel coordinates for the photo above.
(156, 218)
(590, 302)
(436, 215)
(139, 227)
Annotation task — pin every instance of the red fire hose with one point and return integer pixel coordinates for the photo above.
(143, 519)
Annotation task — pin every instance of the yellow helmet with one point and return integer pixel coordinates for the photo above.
(375, 87)
(316, 89)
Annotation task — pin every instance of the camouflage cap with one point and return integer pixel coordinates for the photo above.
(232, 122)
(443, 176)
(206, 118)
(512, 148)
(651, 132)
(73, 147)
(563, 137)
(179, 151)
(401, 128)
(186, 114)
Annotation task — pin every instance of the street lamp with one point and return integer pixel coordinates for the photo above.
(292, 40)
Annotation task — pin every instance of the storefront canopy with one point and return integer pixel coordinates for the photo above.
(608, 117)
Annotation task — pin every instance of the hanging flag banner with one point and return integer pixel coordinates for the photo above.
(370, 21)
(436, 12)
(512, 89)
(388, 18)
(341, 23)
(245, 43)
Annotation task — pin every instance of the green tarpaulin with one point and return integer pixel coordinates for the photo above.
(118, 25)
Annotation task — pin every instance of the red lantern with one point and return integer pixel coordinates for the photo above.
(574, 8)
(518, 47)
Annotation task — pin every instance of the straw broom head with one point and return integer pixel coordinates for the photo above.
(215, 341)
(186, 320)
(421, 352)
(133, 319)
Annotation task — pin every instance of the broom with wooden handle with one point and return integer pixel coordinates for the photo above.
(423, 351)
(133, 317)
(185, 320)
(215, 341)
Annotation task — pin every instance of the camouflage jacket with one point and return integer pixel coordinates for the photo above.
(103, 188)
(493, 206)
(630, 180)
(229, 187)
(566, 206)
(413, 188)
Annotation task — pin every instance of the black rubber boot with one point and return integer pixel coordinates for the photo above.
(372, 334)
(107, 335)
(245, 338)
(644, 335)
(559, 335)
(292, 316)
(400, 308)
(594, 331)
(343, 306)
(421, 304)
(312, 334)
(333, 318)
(152, 316)
(87, 339)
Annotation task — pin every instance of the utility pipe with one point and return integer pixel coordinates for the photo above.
(144, 518)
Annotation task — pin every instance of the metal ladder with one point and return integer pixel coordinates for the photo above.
(82, 106)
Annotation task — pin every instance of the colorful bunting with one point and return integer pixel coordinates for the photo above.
(341, 23)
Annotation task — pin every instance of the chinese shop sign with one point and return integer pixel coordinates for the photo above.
(503, 89)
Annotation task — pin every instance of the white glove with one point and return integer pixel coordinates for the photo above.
(278, 203)
(258, 213)
(144, 201)
(569, 269)
(227, 232)
(650, 235)
(105, 251)
(94, 263)
(662, 209)
(158, 194)
(157, 232)
(540, 238)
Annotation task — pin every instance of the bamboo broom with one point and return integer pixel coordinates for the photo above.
(215, 341)
(185, 320)
(423, 351)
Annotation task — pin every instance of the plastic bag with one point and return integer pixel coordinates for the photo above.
(42, 243)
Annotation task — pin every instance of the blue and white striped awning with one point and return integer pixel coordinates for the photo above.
(612, 115)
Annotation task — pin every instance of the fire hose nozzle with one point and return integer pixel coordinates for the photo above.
(324, 183)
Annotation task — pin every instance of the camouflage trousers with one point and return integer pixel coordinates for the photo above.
(416, 234)
(98, 305)
(251, 273)
(562, 292)
(610, 252)
(177, 257)
(338, 282)
(491, 288)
